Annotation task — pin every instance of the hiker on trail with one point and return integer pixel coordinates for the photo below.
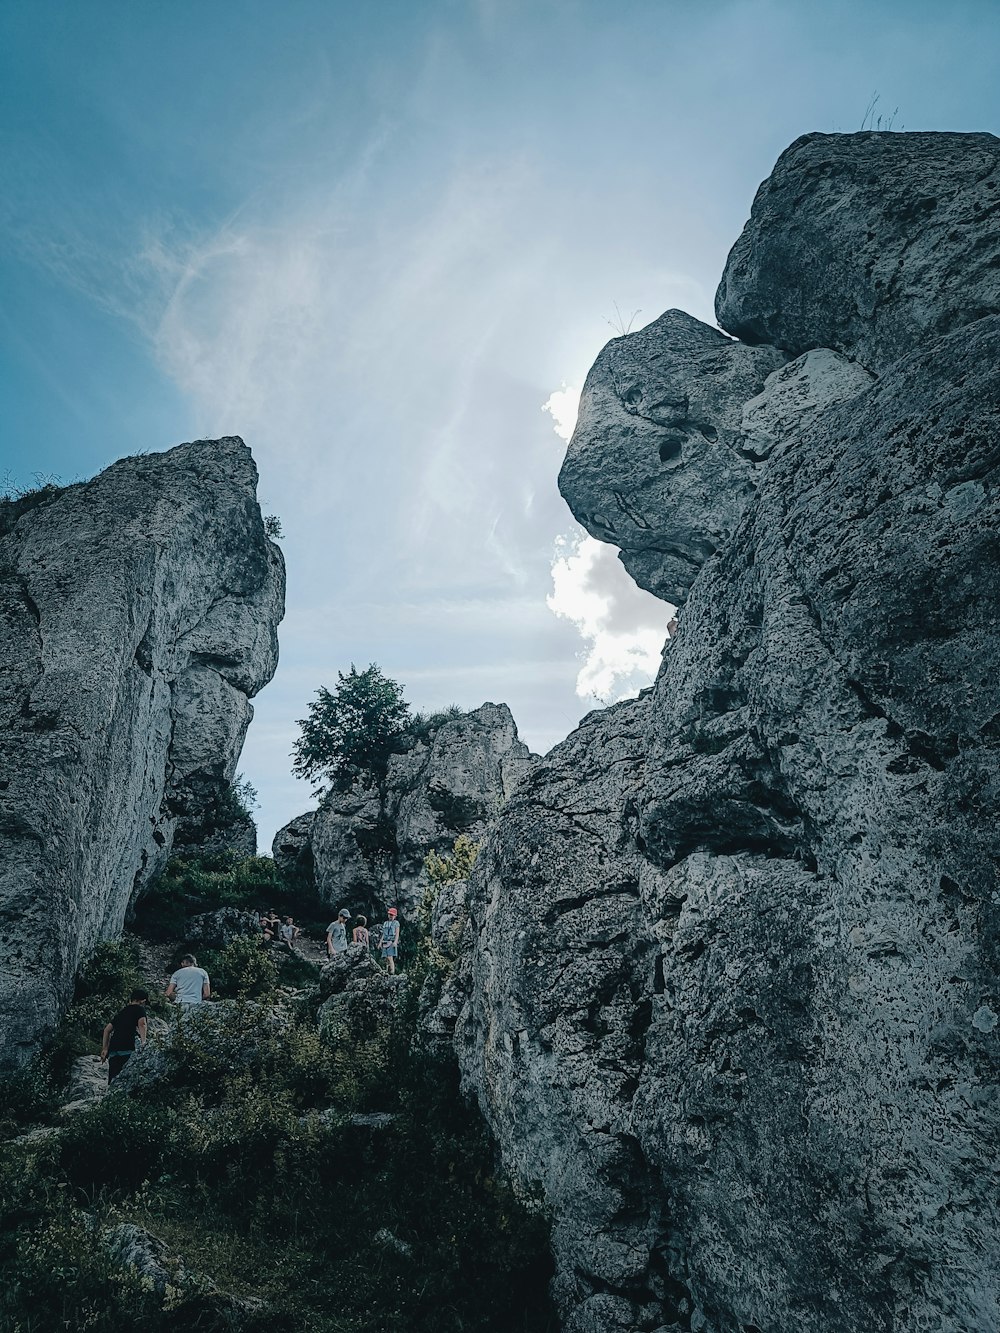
(189, 985)
(121, 1035)
(390, 939)
(336, 934)
(289, 934)
(360, 935)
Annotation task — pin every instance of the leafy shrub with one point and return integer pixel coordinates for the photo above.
(423, 727)
(244, 969)
(272, 526)
(450, 869)
(119, 1143)
(202, 883)
(351, 730)
(27, 1096)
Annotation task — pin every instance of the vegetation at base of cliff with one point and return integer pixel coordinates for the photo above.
(228, 810)
(204, 882)
(243, 1158)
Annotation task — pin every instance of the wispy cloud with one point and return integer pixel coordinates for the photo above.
(623, 628)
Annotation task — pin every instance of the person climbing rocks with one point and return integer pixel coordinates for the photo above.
(125, 1034)
(360, 934)
(189, 986)
(336, 933)
(390, 939)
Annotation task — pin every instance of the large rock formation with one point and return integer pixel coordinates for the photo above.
(139, 616)
(368, 846)
(731, 981)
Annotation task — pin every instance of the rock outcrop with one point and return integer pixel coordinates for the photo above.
(731, 975)
(291, 849)
(139, 616)
(872, 244)
(368, 847)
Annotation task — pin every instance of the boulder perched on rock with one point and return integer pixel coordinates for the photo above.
(731, 995)
(658, 434)
(358, 993)
(872, 244)
(138, 615)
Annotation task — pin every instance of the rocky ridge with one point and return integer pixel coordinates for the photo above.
(728, 991)
(365, 848)
(139, 617)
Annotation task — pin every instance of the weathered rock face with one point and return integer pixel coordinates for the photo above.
(659, 423)
(291, 849)
(369, 851)
(139, 615)
(903, 231)
(732, 982)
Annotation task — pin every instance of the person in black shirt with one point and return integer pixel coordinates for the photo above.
(123, 1032)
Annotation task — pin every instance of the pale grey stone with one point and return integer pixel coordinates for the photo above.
(138, 615)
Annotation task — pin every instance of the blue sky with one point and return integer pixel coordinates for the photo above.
(373, 240)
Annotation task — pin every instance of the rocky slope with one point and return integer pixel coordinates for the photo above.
(731, 967)
(365, 849)
(139, 616)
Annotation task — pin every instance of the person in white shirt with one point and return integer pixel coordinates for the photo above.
(190, 984)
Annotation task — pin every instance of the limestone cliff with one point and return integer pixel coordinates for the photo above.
(365, 848)
(139, 616)
(731, 987)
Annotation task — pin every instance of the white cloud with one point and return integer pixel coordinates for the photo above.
(623, 627)
(563, 405)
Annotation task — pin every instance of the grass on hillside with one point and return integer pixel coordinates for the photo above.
(336, 1229)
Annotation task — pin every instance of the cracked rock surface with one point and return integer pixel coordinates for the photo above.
(138, 617)
(868, 243)
(730, 969)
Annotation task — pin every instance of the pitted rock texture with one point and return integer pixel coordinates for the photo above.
(660, 427)
(368, 847)
(139, 615)
(731, 981)
(868, 243)
(291, 849)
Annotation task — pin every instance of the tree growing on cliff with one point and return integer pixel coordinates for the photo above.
(351, 730)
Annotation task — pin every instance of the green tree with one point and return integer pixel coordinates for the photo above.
(351, 730)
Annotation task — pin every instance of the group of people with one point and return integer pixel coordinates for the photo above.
(272, 927)
(190, 985)
(126, 1033)
(388, 941)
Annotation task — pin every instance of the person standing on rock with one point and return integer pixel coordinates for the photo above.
(336, 934)
(390, 939)
(189, 985)
(125, 1034)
